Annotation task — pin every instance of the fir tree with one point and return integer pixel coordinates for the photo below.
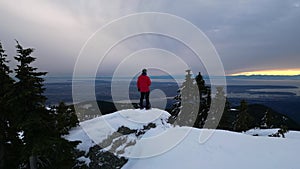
(264, 121)
(176, 107)
(9, 140)
(201, 85)
(29, 103)
(30, 134)
(217, 109)
(267, 120)
(42, 129)
(65, 117)
(243, 120)
(61, 152)
(192, 102)
(204, 101)
(226, 121)
(189, 105)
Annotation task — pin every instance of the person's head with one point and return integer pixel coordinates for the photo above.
(144, 71)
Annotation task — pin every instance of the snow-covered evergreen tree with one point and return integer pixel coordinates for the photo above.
(216, 111)
(192, 102)
(267, 121)
(188, 105)
(264, 121)
(243, 119)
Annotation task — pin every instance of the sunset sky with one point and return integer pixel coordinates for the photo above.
(250, 36)
(288, 72)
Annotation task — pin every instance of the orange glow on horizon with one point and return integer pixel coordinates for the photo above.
(283, 72)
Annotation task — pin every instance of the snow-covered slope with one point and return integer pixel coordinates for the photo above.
(223, 150)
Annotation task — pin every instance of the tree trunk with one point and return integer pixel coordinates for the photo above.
(33, 162)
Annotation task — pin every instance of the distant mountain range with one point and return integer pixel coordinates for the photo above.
(281, 77)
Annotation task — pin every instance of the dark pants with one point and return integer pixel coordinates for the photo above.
(146, 96)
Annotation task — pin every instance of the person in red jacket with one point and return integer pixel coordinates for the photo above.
(143, 85)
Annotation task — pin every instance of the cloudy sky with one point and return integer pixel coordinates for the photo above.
(248, 35)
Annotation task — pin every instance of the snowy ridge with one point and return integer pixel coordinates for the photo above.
(92, 132)
(224, 150)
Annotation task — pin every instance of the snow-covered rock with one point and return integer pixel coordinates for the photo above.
(92, 132)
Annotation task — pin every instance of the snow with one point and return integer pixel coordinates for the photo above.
(224, 150)
(166, 146)
(267, 132)
(85, 160)
(87, 106)
(94, 131)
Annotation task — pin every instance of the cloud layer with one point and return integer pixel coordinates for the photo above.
(248, 35)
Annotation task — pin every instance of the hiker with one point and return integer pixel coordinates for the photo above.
(143, 84)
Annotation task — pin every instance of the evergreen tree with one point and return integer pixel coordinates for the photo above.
(192, 102)
(42, 129)
(264, 121)
(217, 109)
(4, 75)
(61, 152)
(243, 120)
(201, 85)
(65, 117)
(189, 104)
(226, 121)
(176, 107)
(267, 120)
(30, 134)
(29, 102)
(203, 101)
(9, 140)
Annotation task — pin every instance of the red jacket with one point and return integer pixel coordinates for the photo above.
(143, 83)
